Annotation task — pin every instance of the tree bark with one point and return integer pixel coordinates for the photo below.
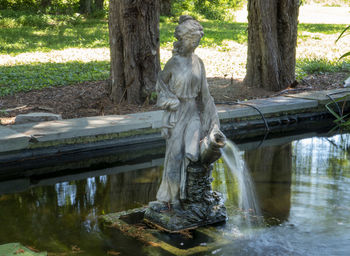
(99, 5)
(134, 44)
(85, 6)
(165, 7)
(45, 3)
(272, 37)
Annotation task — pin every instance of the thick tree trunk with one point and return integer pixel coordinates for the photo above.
(45, 3)
(99, 5)
(85, 6)
(165, 7)
(134, 43)
(272, 37)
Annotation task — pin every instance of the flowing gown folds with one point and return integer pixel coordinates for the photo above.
(186, 126)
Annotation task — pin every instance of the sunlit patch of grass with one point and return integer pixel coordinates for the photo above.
(321, 28)
(307, 66)
(42, 75)
(302, 37)
(215, 32)
(63, 50)
(23, 32)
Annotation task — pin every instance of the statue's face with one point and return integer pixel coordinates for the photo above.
(191, 40)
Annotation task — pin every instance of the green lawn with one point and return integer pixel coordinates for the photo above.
(40, 75)
(22, 33)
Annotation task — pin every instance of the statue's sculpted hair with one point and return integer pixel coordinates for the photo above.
(187, 24)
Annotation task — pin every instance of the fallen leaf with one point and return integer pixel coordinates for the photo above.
(113, 253)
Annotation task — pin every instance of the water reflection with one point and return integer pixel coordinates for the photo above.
(271, 170)
(304, 186)
(63, 218)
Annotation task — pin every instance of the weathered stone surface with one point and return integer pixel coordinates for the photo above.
(129, 223)
(266, 106)
(322, 96)
(11, 140)
(201, 207)
(36, 117)
(84, 127)
(190, 121)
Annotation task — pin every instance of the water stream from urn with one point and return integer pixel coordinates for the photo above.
(248, 202)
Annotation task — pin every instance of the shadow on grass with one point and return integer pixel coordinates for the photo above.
(321, 28)
(28, 39)
(215, 32)
(94, 34)
(306, 66)
(42, 75)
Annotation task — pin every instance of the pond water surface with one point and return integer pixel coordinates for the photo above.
(303, 188)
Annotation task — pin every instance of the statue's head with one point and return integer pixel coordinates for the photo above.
(188, 33)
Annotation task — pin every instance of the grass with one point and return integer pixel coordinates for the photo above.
(22, 33)
(41, 75)
(42, 32)
(321, 28)
(329, 3)
(308, 66)
(216, 32)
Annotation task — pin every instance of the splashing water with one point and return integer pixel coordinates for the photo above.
(247, 198)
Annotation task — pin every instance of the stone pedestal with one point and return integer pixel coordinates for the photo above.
(202, 207)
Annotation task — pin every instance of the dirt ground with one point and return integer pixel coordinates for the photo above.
(91, 98)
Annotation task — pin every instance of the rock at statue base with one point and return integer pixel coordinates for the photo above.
(202, 207)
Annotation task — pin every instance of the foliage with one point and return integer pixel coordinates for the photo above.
(214, 9)
(216, 32)
(341, 121)
(330, 3)
(41, 75)
(16, 19)
(54, 6)
(24, 32)
(308, 66)
(344, 33)
(327, 29)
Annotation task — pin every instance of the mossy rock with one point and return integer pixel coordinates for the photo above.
(18, 249)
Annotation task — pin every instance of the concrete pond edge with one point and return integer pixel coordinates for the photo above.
(145, 127)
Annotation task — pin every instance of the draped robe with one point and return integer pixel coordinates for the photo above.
(183, 82)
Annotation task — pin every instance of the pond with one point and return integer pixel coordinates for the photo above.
(303, 188)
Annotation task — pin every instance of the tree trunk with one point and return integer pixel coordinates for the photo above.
(99, 5)
(134, 43)
(85, 6)
(45, 3)
(272, 37)
(165, 7)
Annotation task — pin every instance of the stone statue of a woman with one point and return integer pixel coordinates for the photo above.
(191, 129)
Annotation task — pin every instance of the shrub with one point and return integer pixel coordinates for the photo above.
(214, 9)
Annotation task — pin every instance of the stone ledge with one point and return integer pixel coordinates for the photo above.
(91, 128)
(11, 140)
(321, 96)
(35, 117)
(266, 106)
(107, 128)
